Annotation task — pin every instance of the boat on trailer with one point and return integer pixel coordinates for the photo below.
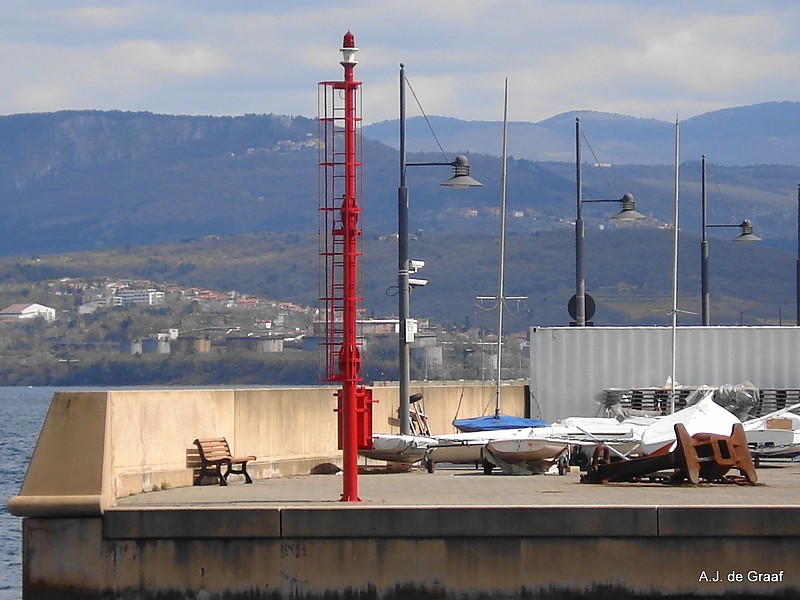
(467, 448)
(775, 435)
(398, 448)
(526, 456)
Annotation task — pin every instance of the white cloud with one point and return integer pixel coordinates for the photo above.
(649, 59)
(42, 97)
(103, 16)
(148, 56)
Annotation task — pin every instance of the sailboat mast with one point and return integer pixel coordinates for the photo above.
(675, 273)
(501, 282)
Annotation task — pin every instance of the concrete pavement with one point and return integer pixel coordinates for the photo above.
(779, 485)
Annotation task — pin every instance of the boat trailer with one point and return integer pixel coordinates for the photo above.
(703, 456)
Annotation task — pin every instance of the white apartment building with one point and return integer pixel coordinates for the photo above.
(150, 297)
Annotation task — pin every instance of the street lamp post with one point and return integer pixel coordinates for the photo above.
(627, 212)
(460, 179)
(797, 288)
(746, 236)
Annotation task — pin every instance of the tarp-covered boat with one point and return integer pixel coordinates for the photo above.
(703, 415)
(495, 422)
(400, 448)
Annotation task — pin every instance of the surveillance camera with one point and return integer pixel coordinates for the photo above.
(415, 265)
(417, 282)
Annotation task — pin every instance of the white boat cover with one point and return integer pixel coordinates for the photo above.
(704, 416)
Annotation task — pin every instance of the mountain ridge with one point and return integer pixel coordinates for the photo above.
(744, 135)
(82, 180)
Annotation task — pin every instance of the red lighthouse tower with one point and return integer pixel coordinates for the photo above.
(339, 234)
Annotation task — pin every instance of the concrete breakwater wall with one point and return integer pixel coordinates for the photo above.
(89, 534)
(96, 447)
(415, 553)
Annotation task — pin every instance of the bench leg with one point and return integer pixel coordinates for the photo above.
(223, 479)
(240, 471)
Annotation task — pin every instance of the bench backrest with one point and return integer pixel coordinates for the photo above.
(212, 449)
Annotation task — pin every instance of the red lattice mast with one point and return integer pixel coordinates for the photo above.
(340, 181)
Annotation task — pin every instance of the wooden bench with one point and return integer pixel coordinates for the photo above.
(214, 454)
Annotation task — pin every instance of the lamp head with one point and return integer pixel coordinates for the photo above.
(461, 178)
(628, 212)
(747, 234)
(349, 49)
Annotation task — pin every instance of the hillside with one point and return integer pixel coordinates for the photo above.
(78, 180)
(628, 272)
(83, 180)
(761, 134)
(230, 203)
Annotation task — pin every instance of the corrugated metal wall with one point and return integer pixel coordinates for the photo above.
(571, 366)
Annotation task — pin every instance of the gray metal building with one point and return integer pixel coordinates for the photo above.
(571, 366)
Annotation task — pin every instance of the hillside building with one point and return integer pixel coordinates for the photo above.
(150, 297)
(20, 312)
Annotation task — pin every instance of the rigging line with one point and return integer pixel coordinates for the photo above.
(598, 163)
(511, 312)
(493, 307)
(458, 408)
(721, 195)
(532, 400)
(422, 110)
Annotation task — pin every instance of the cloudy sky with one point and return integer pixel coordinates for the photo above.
(645, 58)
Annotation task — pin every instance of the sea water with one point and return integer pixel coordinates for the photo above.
(22, 412)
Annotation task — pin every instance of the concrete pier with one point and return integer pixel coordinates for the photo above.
(451, 534)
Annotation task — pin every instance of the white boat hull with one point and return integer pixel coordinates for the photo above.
(465, 448)
(525, 457)
(774, 443)
(458, 454)
(408, 449)
(588, 433)
(776, 435)
(528, 450)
